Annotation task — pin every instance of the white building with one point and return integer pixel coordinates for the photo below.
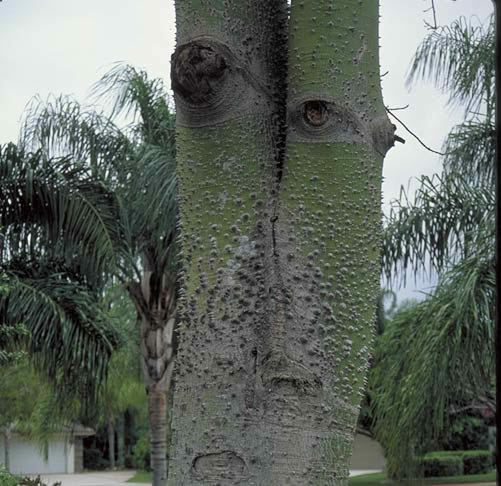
(65, 452)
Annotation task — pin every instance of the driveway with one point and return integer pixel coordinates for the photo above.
(97, 478)
(107, 478)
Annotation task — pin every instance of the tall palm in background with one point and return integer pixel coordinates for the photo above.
(441, 351)
(137, 165)
(123, 391)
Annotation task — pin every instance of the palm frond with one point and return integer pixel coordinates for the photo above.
(470, 152)
(150, 197)
(153, 206)
(444, 223)
(131, 92)
(460, 60)
(61, 127)
(70, 337)
(426, 351)
(55, 207)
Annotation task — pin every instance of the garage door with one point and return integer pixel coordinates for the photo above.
(26, 457)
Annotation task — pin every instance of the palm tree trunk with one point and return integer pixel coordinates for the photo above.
(111, 444)
(280, 228)
(170, 402)
(157, 308)
(7, 436)
(157, 409)
(157, 359)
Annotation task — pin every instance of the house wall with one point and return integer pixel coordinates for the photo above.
(25, 456)
(367, 454)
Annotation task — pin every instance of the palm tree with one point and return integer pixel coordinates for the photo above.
(56, 227)
(448, 230)
(137, 165)
(123, 390)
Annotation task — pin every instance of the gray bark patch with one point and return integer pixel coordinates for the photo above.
(219, 464)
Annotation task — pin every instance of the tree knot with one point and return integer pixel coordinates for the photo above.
(198, 72)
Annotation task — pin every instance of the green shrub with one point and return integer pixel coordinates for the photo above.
(466, 434)
(477, 462)
(474, 462)
(6, 478)
(141, 454)
(27, 481)
(436, 465)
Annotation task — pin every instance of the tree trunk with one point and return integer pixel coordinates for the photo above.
(157, 408)
(170, 401)
(7, 436)
(121, 441)
(280, 143)
(155, 302)
(111, 444)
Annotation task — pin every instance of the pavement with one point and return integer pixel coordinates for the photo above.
(107, 478)
(358, 472)
(112, 478)
(95, 478)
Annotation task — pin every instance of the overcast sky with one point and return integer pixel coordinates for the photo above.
(64, 46)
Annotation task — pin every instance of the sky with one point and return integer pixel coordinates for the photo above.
(65, 46)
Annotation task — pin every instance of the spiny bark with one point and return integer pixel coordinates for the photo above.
(280, 144)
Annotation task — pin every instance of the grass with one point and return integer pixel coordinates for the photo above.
(380, 479)
(141, 477)
(375, 479)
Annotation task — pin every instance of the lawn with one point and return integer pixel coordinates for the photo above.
(380, 479)
(141, 477)
(375, 479)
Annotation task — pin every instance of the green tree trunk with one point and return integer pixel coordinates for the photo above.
(281, 134)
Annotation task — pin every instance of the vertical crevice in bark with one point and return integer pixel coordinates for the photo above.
(278, 56)
(279, 60)
(275, 348)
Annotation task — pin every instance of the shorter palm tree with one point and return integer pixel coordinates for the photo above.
(449, 228)
(56, 225)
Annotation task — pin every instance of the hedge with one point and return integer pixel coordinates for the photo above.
(436, 466)
(474, 462)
